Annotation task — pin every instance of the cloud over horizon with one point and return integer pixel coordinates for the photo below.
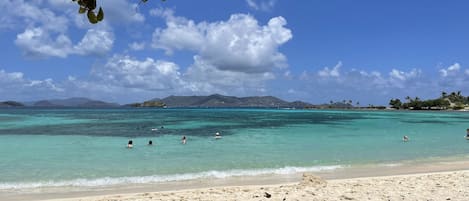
(239, 44)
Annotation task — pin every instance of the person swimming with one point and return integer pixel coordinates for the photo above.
(130, 144)
(217, 135)
(183, 140)
(467, 133)
(405, 138)
(150, 142)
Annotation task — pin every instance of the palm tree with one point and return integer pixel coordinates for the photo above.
(443, 94)
(408, 98)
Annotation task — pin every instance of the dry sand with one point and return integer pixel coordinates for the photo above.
(429, 186)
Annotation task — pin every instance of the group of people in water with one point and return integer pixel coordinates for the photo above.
(183, 140)
(405, 138)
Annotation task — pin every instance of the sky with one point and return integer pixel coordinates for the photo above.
(316, 51)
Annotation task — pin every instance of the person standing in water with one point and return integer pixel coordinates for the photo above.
(183, 140)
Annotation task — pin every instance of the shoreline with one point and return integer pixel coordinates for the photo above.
(130, 191)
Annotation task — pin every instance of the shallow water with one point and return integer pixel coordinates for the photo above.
(86, 147)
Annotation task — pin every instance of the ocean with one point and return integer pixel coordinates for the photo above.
(87, 147)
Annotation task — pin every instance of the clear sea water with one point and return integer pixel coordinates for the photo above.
(86, 147)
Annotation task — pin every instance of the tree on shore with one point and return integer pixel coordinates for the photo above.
(443, 94)
(395, 103)
(444, 102)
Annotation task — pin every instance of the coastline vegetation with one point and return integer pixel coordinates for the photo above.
(453, 100)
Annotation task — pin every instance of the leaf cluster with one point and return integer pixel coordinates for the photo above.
(88, 7)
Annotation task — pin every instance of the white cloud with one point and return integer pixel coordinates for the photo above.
(36, 42)
(148, 74)
(264, 5)
(96, 42)
(122, 12)
(334, 72)
(238, 44)
(20, 13)
(6, 77)
(137, 46)
(16, 87)
(45, 29)
(203, 77)
(403, 76)
(451, 70)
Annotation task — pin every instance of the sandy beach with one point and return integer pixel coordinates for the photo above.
(432, 186)
(432, 181)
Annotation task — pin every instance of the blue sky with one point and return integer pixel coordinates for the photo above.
(315, 51)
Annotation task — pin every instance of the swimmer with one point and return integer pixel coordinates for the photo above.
(217, 135)
(150, 143)
(405, 138)
(184, 139)
(130, 144)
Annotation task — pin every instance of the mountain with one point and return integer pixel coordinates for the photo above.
(217, 100)
(73, 102)
(11, 104)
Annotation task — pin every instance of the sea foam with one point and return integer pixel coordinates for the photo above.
(109, 181)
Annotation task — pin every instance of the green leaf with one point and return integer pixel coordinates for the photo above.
(92, 17)
(100, 16)
(81, 10)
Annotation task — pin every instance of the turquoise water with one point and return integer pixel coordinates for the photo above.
(80, 147)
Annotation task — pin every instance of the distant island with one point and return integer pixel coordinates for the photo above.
(447, 101)
(217, 100)
(69, 102)
(453, 101)
(11, 104)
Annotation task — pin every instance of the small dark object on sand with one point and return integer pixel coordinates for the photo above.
(267, 195)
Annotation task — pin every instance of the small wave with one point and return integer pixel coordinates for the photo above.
(390, 164)
(108, 181)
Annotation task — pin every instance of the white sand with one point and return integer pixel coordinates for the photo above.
(437, 180)
(429, 186)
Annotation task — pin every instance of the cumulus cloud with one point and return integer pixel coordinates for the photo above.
(206, 78)
(16, 87)
(46, 29)
(339, 83)
(37, 42)
(399, 78)
(147, 74)
(264, 5)
(96, 42)
(451, 70)
(334, 72)
(239, 44)
(19, 13)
